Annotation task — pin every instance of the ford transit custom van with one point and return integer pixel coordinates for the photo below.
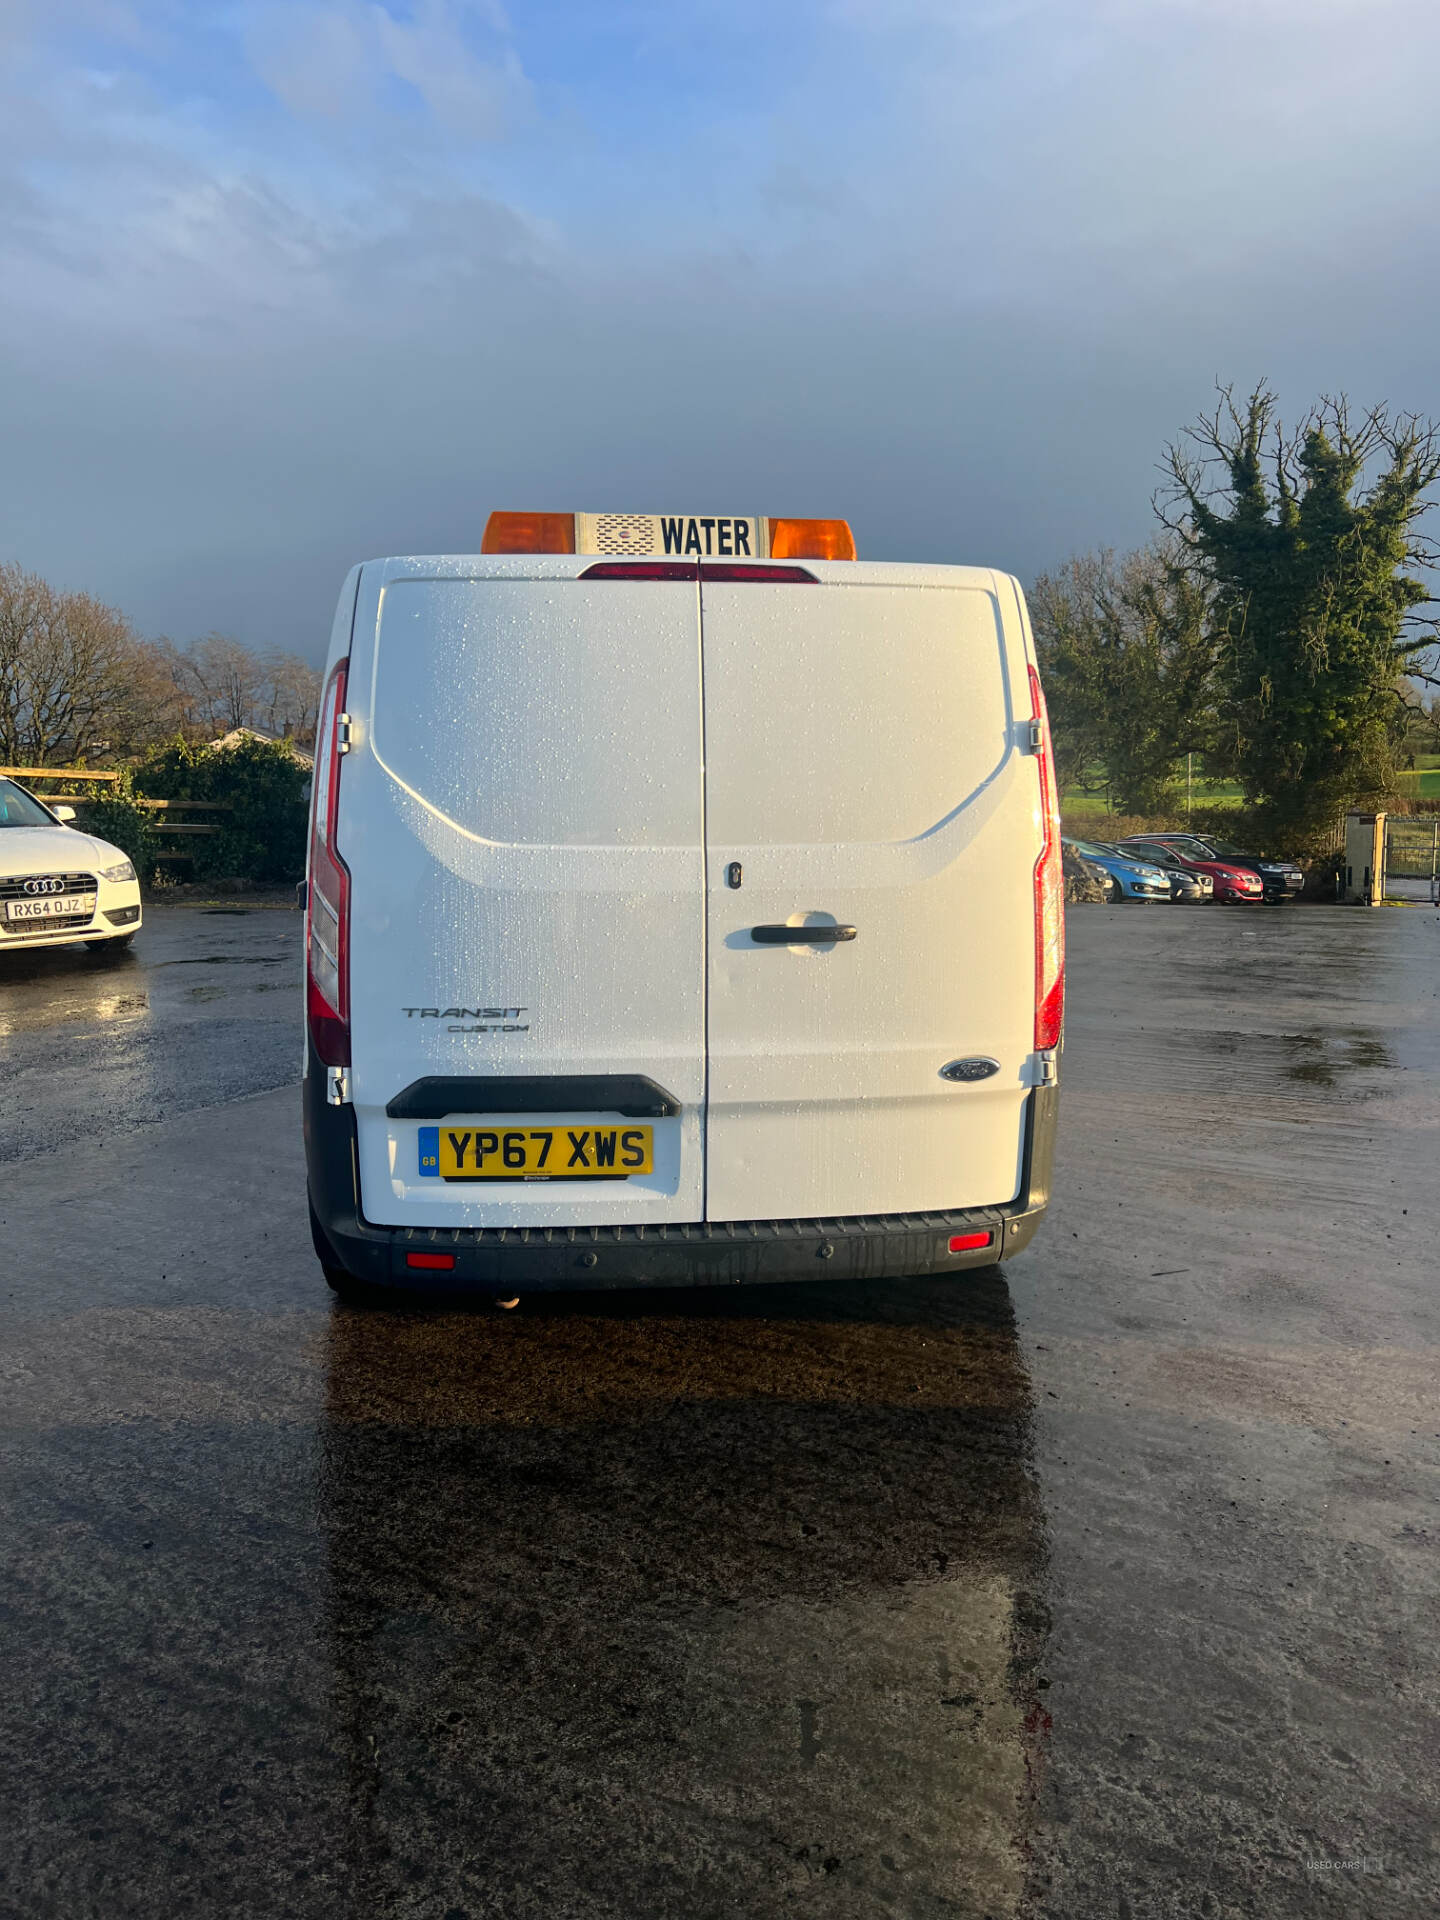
(684, 905)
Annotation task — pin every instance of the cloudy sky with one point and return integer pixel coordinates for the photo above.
(288, 283)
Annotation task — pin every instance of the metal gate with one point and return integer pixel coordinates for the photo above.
(1412, 857)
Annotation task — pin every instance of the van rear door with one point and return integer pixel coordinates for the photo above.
(865, 769)
(521, 811)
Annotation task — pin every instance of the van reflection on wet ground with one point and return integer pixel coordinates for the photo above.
(701, 1604)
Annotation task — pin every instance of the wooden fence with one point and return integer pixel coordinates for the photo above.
(68, 776)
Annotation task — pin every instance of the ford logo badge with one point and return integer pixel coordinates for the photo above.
(978, 1068)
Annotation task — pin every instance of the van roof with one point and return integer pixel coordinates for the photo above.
(568, 566)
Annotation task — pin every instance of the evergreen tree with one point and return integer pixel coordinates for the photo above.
(1305, 540)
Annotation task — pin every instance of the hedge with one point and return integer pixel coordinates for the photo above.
(267, 788)
(114, 816)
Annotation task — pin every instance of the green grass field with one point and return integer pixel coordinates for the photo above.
(1206, 794)
(1424, 782)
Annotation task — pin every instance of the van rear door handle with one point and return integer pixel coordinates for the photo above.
(794, 936)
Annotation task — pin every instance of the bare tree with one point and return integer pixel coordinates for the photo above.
(293, 697)
(71, 679)
(220, 683)
(1129, 670)
(155, 710)
(24, 609)
(226, 682)
(75, 681)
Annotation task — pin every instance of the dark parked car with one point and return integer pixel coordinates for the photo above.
(1279, 878)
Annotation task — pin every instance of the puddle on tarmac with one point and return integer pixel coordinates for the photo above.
(60, 1012)
(1302, 1071)
(205, 993)
(227, 960)
(1319, 1059)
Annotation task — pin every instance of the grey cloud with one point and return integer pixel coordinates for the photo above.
(313, 59)
(233, 490)
(228, 376)
(333, 57)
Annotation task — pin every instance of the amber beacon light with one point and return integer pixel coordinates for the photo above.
(680, 536)
(811, 540)
(529, 533)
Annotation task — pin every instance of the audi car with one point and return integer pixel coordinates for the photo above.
(57, 883)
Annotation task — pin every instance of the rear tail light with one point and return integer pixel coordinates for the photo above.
(708, 570)
(643, 570)
(1049, 891)
(327, 946)
(775, 576)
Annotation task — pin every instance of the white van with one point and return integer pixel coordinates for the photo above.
(684, 906)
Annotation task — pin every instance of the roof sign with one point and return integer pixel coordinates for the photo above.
(678, 536)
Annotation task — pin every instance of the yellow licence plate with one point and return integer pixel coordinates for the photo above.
(537, 1153)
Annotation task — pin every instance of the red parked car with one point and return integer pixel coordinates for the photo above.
(1231, 883)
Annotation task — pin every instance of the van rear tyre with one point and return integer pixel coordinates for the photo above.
(342, 1284)
(346, 1288)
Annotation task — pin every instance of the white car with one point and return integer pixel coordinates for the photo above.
(57, 883)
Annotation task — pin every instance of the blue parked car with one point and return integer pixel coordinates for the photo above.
(1130, 879)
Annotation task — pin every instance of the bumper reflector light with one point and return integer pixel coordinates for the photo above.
(968, 1242)
(436, 1262)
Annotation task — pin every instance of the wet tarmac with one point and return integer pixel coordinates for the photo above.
(201, 1010)
(1105, 1585)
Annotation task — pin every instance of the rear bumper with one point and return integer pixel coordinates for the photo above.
(512, 1260)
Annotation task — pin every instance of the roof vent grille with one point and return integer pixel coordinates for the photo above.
(624, 533)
